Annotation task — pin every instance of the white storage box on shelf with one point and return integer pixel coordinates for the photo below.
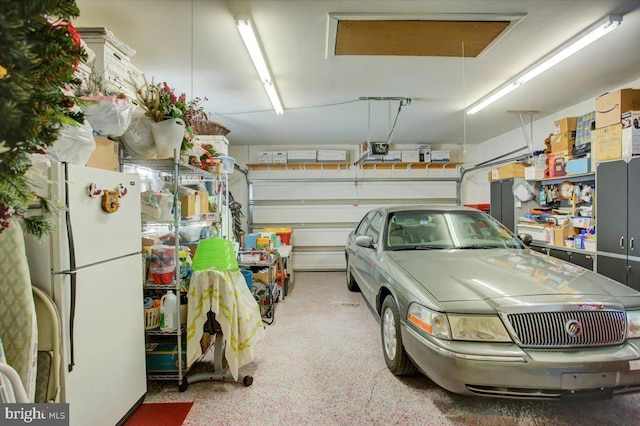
(534, 172)
(265, 157)
(113, 59)
(410, 156)
(301, 156)
(279, 157)
(329, 155)
(441, 156)
(219, 142)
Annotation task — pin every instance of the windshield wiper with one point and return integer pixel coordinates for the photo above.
(416, 248)
(477, 246)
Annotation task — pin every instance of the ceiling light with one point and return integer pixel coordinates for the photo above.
(582, 40)
(248, 33)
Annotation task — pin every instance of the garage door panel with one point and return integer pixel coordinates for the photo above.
(319, 260)
(320, 237)
(310, 214)
(350, 191)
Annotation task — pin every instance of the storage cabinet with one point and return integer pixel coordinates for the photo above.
(617, 207)
(504, 207)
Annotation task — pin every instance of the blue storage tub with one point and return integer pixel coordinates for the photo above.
(248, 277)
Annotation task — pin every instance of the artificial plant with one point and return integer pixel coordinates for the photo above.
(39, 50)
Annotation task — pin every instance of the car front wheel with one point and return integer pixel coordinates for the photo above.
(395, 356)
(351, 282)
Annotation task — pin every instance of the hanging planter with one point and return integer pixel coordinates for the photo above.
(168, 135)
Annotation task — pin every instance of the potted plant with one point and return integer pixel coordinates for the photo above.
(166, 111)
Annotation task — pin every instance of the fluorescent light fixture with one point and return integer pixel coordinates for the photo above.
(584, 39)
(248, 33)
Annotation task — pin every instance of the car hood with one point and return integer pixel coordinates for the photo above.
(519, 276)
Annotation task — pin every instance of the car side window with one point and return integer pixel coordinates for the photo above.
(362, 226)
(374, 228)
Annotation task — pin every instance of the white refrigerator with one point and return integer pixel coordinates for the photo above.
(91, 266)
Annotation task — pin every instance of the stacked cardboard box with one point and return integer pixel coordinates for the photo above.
(609, 110)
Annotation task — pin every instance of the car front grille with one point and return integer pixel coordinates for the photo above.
(568, 328)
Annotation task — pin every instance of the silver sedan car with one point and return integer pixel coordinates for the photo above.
(465, 302)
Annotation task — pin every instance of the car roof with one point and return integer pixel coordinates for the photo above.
(429, 207)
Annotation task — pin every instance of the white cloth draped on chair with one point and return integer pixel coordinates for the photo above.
(226, 294)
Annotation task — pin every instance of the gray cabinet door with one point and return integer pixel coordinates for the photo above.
(496, 200)
(633, 274)
(613, 267)
(633, 209)
(581, 259)
(508, 205)
(611, 210)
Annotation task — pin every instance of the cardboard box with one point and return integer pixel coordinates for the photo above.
(578, 165)
(610, 106)
(566, 124)
(586, 123)
(563, 141)
(608, 143)
(164, 358)
(188, 205)
(105, 156)
(203, 201)
(410, 156)
(511, 171)
(560, 234)
(301, 156)
(332, 155)
(630, 133)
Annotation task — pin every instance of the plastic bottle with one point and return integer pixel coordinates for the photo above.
(169, 312)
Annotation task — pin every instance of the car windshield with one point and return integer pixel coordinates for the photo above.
(430, 230)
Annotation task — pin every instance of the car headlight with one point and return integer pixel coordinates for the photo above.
(431, 322)
(478, 328)
(633, 324)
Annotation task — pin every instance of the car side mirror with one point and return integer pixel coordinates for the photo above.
(364, 241)
(526, 238)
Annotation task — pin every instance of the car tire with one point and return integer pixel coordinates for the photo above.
(395, 356)
(351, 282)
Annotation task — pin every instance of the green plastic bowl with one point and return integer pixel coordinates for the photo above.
(214, 253)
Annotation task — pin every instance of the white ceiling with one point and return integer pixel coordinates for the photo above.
(195, 47)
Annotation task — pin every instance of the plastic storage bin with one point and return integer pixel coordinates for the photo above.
(248, 277)
(227, 164)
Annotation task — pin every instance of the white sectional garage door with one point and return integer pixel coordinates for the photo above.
(324, 208)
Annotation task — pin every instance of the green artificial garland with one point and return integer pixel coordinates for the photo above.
(39, 50)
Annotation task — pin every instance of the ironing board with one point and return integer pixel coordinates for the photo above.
(18, 324)
(225, 293)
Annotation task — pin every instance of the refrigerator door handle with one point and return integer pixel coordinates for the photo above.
(72, 313)
(72, 265)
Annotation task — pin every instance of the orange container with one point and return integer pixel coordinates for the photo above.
(283, 233)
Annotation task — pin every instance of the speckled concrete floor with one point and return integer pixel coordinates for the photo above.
(321, 363)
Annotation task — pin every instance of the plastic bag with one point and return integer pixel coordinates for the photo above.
(157, 205)
(109, 116)
(74, 144)
(138, 138)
